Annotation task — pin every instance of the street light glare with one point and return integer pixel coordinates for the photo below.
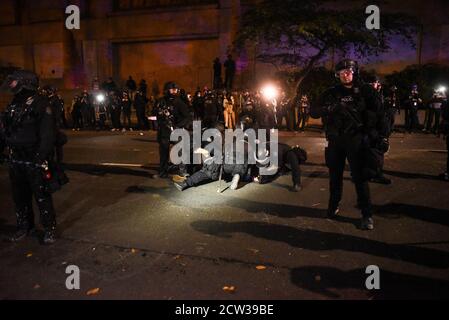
(442, 89)
(269, 92)
(100, 98)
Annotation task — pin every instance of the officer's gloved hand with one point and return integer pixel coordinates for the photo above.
(383, 145)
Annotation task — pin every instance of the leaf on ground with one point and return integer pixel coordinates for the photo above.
(229, 289)
(253, 250)
(261, 267)
(134, 250)
(36, 286)
(177, 257)
(29, 255)
(315, 205)
(92, 292)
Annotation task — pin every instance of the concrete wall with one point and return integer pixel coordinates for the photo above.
(124, 43)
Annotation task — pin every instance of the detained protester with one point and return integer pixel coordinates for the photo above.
(289, 159)
(349, 111)
(28, 132)
(212, 171)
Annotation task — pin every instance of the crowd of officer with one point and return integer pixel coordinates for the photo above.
(358, 120)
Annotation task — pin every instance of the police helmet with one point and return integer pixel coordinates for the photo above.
(25, 80)
(347, 64)
(170, 85)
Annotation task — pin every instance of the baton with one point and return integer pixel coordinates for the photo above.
(219, 179)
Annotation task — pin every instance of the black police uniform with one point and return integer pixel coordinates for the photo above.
(413, 103)
(29, 135)
(350, 116)
(171, 113)
(211, 111)
(445, 129)
(140, 102)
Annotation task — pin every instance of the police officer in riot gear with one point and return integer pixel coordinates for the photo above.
(382, 126)
(28, 134)
(391, 108)
(411, 112)
(349, 113)
(171, 113)
(445, 131)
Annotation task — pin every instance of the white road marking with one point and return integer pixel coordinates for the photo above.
(121, 164)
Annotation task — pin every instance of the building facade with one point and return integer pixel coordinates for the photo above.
(161, 40)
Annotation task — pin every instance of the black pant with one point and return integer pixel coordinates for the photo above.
(447, 147)
(413, 122)
(115, 118)
(141, 119)
(127, 118)
(164, 154)
(292, 163)
(341, 148)
(197, 178)
(27, 182)
(303, 118)
(77, 120)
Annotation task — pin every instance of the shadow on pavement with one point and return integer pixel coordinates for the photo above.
(408, 175)
(101, 170)
(392, 285)
(398, 210)
(318, 240)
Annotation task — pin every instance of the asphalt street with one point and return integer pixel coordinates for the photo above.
(135, 236)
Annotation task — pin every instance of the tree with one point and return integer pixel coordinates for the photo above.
(294, 35)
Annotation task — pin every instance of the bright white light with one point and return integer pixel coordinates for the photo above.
(269, 92)
(100, 98)
(442, 89)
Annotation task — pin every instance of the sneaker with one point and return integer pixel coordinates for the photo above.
(181, 186)
(49, 237)
(178, 178)
(123, 130)
(367, 223)
(141, 133)
(332, 212)
(296, 188)
(20, 234)
(131, 129)
(235, 182)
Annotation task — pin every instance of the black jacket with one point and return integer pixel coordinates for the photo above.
(29, 123)
(349, 111)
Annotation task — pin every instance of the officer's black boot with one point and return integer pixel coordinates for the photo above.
(21, 234)
(332, 211)
(49, 237)
(181, 186)
(367, 223)
(25, 224)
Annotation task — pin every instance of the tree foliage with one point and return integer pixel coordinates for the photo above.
(297, 35)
